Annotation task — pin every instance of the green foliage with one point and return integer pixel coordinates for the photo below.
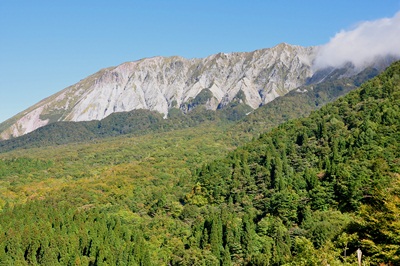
(22, 166)
(378, 225)
(309, 192)
(139, 180)
(302, 101)
(308, 177)
(44, 232)
(200, 99)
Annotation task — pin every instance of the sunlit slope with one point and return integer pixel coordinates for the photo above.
(302, 192)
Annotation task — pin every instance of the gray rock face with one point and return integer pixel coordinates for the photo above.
(161, 83)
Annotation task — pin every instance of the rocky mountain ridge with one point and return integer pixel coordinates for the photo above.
(161, 83)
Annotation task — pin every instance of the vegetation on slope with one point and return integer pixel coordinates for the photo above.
(137, 122)
(302, 101)
(309, 192)
(138, 181)
(326, 185)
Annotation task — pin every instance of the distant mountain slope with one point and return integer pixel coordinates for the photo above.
(159, 84)
(163, 84)
(295, 104)
(302, 101)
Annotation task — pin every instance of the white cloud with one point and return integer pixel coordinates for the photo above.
(361, 45)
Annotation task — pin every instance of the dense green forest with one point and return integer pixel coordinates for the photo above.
(309, 192)
(319, 185)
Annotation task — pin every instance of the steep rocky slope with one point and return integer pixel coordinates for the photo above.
(236, 116)
(160, 83)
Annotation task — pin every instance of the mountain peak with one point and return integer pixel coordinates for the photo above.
(161, 83)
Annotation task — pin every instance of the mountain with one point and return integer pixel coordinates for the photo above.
(162, 84)
(297, 103)
(309, 192)
(303, 100)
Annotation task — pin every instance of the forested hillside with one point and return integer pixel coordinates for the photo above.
(309, 192)
(54, 198)
(312, 190)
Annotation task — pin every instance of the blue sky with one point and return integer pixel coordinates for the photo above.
(46, 46)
